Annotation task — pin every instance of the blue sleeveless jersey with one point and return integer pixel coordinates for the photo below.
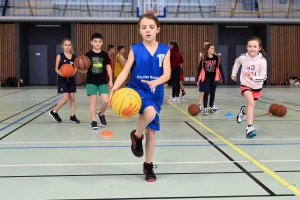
(148, 67)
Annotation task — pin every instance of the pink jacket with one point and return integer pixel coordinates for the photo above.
(257, 66)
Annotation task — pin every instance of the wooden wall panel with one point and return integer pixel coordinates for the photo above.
(7, 51)
(189, 37)
(285, 47)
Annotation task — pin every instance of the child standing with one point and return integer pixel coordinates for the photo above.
(209, 74)
(253, 75)
(66, 86)
(151, 69)
(96, 81)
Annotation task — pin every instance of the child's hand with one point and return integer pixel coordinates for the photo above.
(233, 78)
(110, 84)
(250, 76)
(113, 90)
(151, 84)
(60, 73)
(197, 83)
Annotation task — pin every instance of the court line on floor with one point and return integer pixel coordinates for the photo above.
(132, 174)
(187, 197)
(27, 109)
(135, 174)
(263, 186)
(127, 146)
(20, 119)
(1, 138)
(247, 156)
(127, 141)
(13, 93)
(138, 163)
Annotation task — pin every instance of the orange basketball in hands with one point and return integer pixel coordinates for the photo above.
(67, 70)
(82, 63)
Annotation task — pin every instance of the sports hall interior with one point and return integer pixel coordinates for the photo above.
(197, 157)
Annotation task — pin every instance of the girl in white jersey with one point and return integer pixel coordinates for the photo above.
(253, 75)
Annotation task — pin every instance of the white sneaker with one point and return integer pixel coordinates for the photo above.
(215, 108)
(183, 96)
(200, 106)
(240, 117)
(178, 99)
(251, 131)
(174, 99)
(205, 111)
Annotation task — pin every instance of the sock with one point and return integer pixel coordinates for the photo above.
(183, 92)
(138, 136)
(243, 112)
(249, 125)
(54, 111)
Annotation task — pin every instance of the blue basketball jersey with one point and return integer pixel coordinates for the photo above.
(148, 67)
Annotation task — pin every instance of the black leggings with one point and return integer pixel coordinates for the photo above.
(210, 86)
(175, 76)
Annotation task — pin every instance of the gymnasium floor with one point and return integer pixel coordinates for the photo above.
(198, 157)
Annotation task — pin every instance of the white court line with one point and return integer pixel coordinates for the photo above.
(158, 163)
(126, 141)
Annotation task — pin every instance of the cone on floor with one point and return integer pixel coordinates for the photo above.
(107, 133)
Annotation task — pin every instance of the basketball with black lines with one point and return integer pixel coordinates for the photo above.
(126, 102)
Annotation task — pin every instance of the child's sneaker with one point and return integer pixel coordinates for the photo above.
(55, 116)
(241, 116)
(74, 120)
(94, 125)
(149, 173)
(251, 131)
(137, 145)
(205, 111)
(212, 111)
(200, 106)
(215, 108)
(102, 120)
(183, 96)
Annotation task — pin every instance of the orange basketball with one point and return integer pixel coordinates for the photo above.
(82, 62)
(272, 108)
(281, 110)
(194, 109)
(67, 70)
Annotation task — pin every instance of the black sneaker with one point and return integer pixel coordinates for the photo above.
(149, 173)
(55, 116)
(102, 120)
(74, 120)
(94, 125)
(136, 145)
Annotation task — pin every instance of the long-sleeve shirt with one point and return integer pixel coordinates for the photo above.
(175, 58)
(257, 66)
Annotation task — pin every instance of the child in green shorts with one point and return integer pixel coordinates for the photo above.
(96, 80)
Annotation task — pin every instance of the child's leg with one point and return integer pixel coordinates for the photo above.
(72, 103)
(150, 143)
(249, 110)
(213, 87)
(93, 102)
(144, 119)
(105, 103)
(62, 102)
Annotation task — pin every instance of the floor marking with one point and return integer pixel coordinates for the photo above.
(127, 141)
(138, 163)
(254, 161)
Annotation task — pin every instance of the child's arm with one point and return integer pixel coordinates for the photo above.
(199, 70)
(235, 68)
(262, 73)
(121, 61)
(109, 72)
(56, 66)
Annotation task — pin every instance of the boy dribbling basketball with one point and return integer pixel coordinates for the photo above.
(96, 80)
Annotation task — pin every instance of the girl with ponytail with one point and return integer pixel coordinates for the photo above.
(253, 75)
